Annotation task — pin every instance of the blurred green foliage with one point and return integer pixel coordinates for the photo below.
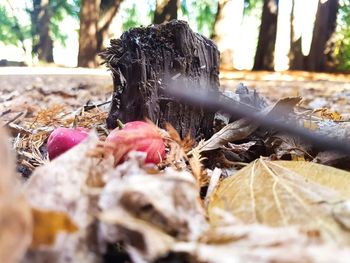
(15, 32)
(60, 10)
(11, 32)
(200, 14)
(342, 45)
(131, 18)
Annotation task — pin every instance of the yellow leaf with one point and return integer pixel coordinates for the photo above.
(47, 224)
(308, 124)
(329, 115)
(298, 158)
(280, 193)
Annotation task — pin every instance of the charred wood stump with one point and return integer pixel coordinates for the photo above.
(140, 62)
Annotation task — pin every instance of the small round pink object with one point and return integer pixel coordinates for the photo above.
(62, 139)
(136, 136)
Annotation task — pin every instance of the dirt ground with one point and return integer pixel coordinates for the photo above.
(34, 89)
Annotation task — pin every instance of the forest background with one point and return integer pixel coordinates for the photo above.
(310, 35)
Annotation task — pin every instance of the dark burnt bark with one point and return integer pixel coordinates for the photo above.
(166, 10)
(264, 56)
(144, 58)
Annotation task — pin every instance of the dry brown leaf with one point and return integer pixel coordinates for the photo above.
(15, 228)
(62, 186)
(195, 161)
(15, 214)
(48, 224)
(334, 159)
(258, 243)
(186, 144)
(176, 156)
(173, 134)
(282, 193)
(141, 236)
(328, 114)
(287, 147)
(242, 128)
(341, 213)
(147, 212)
(234, 131)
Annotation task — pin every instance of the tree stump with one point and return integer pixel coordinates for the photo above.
(141, 60)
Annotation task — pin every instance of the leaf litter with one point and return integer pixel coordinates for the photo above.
(208, 201)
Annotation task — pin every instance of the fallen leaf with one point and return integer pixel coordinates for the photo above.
(176, 156)
(15, 228)
(311, 125)
(258, 243)
(238, 148)
(328, 114)
(341, 213)
(282, 193)
(47, 224)
(143, 239)
(334, 159)
(195, 161)
(242, 128)
(15, 214)
(148, 212)
(287, 147)
(61, 186)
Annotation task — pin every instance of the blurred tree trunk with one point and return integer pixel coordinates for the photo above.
(219, 17)
(325, 25)
(296, 58)
(42, 41)
(320, 57)
(89, 15)
(225, 29)
(264, 57)
(95, 19)
(108, 10)
(166, 10)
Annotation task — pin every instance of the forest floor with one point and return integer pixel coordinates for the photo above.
(265, 193)
(33, 89)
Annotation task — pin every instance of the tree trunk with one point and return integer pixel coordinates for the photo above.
(143, 60)
(108, 10)
(264, 57)
(319, 59)
(296, 58)
(42, 41)
(325, 25)
(166, 10)
(89, 15)
(225, 29)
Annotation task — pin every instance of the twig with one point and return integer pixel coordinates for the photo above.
(90, 107)
(5, 112)
(215, 102)
(13, 119)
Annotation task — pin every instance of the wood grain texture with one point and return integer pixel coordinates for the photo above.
(141, 61)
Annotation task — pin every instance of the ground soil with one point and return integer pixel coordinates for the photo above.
(24, 88)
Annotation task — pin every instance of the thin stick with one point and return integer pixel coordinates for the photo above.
(13, 119)
(215, 102)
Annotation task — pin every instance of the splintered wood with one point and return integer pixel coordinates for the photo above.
(144, 60)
